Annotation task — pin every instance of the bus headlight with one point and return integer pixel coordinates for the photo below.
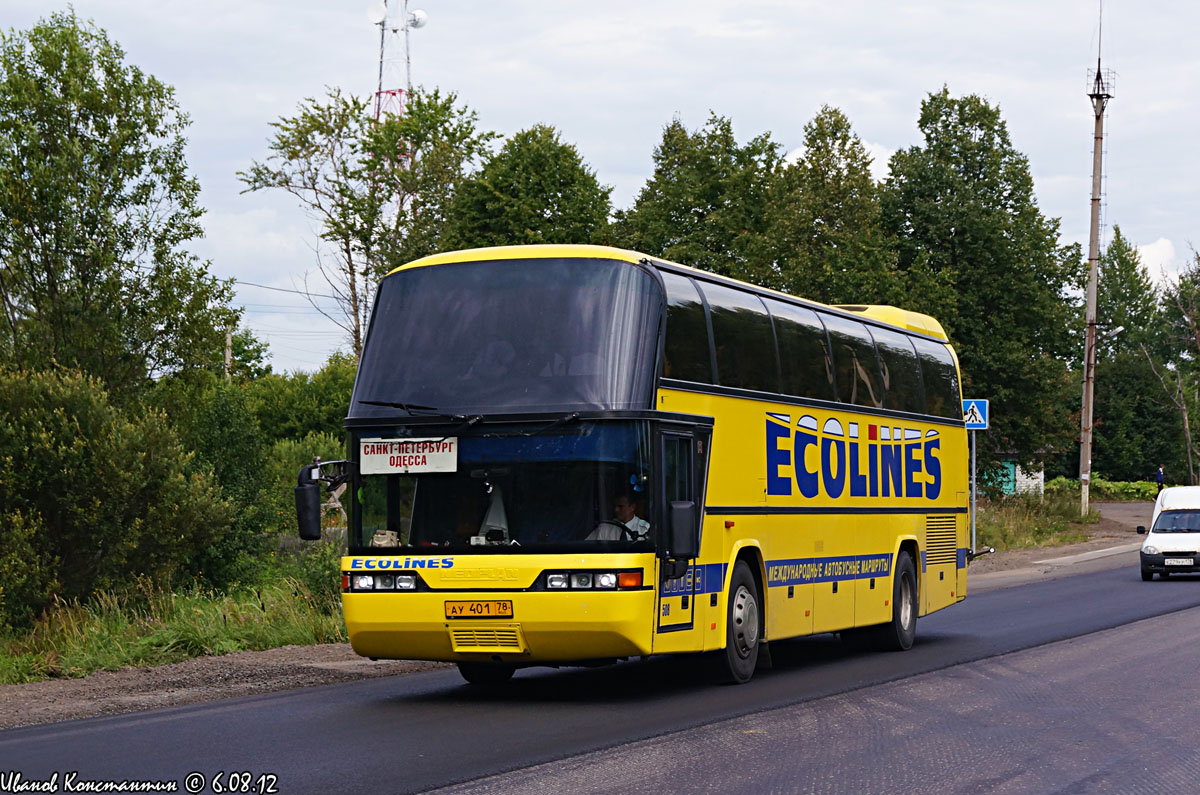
(406, 582)
(556, 581)
(385, 582)
(364, 582)
(607, 579)
(581, 580)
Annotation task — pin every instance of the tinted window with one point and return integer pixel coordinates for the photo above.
(743, 339)
(803, 351)
(528, 335)
(900, 370)
(942, 395)
(855, 364)
(686, 350)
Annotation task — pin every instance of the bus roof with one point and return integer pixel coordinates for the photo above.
(524, 252)
(895, 316)
(888, 315)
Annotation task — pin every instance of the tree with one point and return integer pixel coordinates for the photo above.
(1137, 425)
(378, 189)
(298, 404)
(1126, 298)
(825, 220)
(1180, 347)
(707, 203)
(962, 207)
(96, 205)
(93, 495)
(536, 189)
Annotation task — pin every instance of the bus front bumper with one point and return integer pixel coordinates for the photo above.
(543, 627)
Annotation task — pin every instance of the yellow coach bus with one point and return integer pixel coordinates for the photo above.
(579, 454)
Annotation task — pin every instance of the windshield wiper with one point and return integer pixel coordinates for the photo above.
(552, 425)
(412, 408)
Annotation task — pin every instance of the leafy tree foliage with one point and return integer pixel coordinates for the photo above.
(707, 203)
(227, 441)
(96, 205)
(442, 146)
(378, 189)
(92, 497)
(1137, 426)
(295, 405)
(962, 206)
(825, 220)
(536, 189)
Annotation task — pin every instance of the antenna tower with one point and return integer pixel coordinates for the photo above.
(395, 61)
(1101, 84)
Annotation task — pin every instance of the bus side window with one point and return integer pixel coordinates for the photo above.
(677, 468)
(743, 339)
(686, 350)
(942, 395)
(803, 351)
(855, 362)
(901, 373)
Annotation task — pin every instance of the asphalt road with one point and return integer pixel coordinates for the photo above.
(955, 693)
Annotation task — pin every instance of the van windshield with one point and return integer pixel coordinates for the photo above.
(1177, 522)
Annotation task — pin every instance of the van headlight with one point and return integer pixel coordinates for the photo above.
(1150, 550)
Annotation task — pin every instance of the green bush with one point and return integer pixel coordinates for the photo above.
(226, 438)
(92, 496)
(1027, 520)
(314, 563)
(1115, 491)
(293, 406)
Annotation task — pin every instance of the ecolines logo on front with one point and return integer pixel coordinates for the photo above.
(853, 459)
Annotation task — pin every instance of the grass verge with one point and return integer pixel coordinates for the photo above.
(1029, 520)
(153, 627)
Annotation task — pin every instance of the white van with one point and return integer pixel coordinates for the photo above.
(1173, 542)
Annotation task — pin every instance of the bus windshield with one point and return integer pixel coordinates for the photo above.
(564, 486)
(509, 336)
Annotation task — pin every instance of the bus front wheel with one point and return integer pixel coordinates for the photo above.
(486, 673)
(743, 627)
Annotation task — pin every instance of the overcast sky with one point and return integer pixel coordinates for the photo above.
(610, 75)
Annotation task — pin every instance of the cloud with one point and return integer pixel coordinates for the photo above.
(880, 156)
(1160, 259)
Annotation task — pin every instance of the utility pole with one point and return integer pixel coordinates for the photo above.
(228, 351)
(1100, 92)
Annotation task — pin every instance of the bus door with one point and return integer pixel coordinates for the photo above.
(683, 463)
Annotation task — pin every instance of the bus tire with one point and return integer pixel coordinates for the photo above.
(743, 627)
(486, 673)
(899, 633)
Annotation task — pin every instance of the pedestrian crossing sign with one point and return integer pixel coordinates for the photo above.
(975, 414)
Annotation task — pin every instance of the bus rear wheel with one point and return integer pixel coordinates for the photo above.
(899, 633)
(743, 627)
(486, 673)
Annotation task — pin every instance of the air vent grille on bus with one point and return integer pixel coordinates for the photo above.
(941, 540)
(486, 639)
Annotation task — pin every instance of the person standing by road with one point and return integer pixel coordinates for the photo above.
(1159, 476)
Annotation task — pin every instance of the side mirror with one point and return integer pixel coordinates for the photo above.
(308, 503)
(684, 529)
(1141, 530)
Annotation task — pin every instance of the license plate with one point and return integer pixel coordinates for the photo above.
(482, 609)
(1178, 561)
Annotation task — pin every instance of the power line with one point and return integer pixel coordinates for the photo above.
(285, 290)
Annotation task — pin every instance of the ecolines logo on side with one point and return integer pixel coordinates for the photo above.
(890, 461)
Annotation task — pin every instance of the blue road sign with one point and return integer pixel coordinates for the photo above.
(975, 412)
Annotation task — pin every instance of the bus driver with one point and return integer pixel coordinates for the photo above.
(636, 528)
